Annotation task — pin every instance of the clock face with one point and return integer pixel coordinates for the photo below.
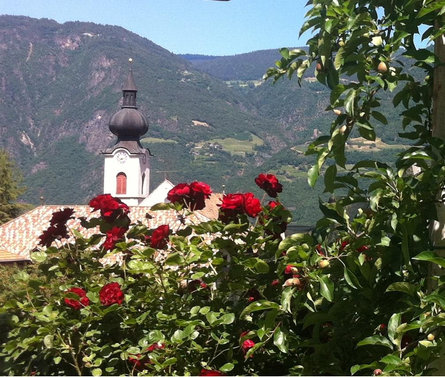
(121, 156)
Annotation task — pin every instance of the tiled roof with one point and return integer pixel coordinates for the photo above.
(7, 257)
(211, 209)
(21, 235)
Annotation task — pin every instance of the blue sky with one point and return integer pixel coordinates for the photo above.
(183, 26)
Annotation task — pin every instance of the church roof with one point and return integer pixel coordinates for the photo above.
(159, 194)
(20, 236)
(128, 124)
(7, 257)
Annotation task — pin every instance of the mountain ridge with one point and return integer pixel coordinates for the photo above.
(61, 83)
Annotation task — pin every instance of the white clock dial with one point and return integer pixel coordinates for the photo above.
(121, 156)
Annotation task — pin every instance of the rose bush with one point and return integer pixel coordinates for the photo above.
(225, 297)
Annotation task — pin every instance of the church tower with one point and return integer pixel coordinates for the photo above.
(127, 163)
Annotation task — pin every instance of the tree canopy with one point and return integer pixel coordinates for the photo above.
(10, 188)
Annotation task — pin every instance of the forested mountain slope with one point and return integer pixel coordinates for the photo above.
(211, 118)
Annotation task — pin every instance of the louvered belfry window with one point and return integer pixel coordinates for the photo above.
(121, 184)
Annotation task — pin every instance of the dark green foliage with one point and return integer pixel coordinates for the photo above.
(250, 66)
(10, 189)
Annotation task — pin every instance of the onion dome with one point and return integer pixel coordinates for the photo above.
(128, 124)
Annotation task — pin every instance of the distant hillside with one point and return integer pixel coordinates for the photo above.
(211, 118)
(249, 66)
(61, 83)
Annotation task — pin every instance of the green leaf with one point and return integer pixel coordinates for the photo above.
(178, 336)
(169, 361)
(48, 341)
(96, 372)
(329, 178)
(235, 227)
(227, 367)
(312, 175)
(375, 340)
(391, 359)
(156, 336)
(326, 287)
(286, 297)
(430, 256)
(259, 305)
(404, 287)
(38, 256)
(379, 116)
(357, 367)
(279, 339)
(437, 299)
(351, 279)
(261, 266)
(393, 324)
(339, 58)
(174, 259)
(162, 207)
(227, 319)
(211, 317)
(350, 102)
(284, 52)
(204, 310)
(194, 310)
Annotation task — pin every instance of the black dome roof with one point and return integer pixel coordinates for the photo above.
(128, 123)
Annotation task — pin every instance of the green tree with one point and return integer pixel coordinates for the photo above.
(361, 49)
(10, 189)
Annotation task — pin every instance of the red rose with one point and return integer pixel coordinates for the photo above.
(320, 250)
(57, 229)
(244, 333)
(363, 248)
(192, 195)
(273, 204)
(199, 193)
(269, 183)
(211, 372)
(236, 204)
(159, 237)
(62, 216)
(114, 235)
(253, 295)
(77, 303)
(275, 282)
(232, 204)
(111, 294)
(343, 245)
(252, 205)
(155, 346)
(137, 361)
(289, 270)
(247, 345)
(140, 362)
(177, 193)
(54, 232)
(195, 284)
(109, 206)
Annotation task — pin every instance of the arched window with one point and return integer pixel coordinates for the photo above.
(121, 184)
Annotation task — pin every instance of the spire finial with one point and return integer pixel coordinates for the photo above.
(129, 91)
